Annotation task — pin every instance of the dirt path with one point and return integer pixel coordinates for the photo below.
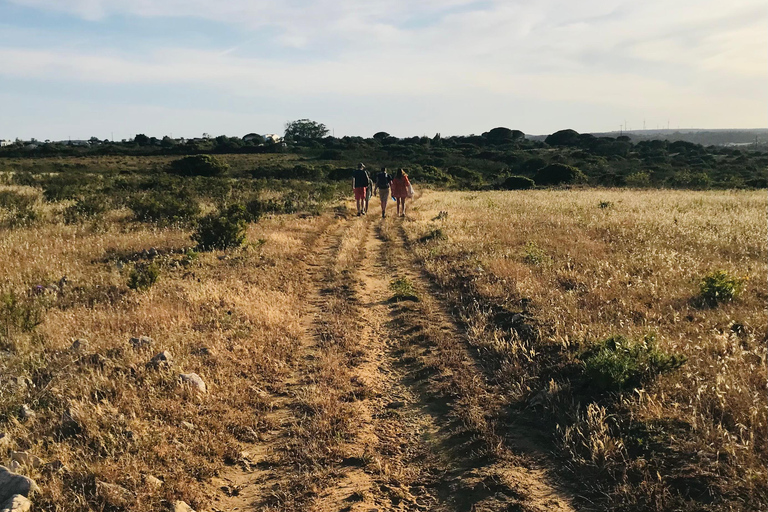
(385, 409)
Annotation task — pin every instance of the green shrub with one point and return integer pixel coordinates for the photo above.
(559, 174)
(534, 255)
(518, 183)
(403, 289)
(143, 276)
(13, 200)
(618, 364)
(198, 165)
(86, 208)
(719, 286)
(638, 179)
(164, 207)
(20, 313)
(223, 229)
(434, 234)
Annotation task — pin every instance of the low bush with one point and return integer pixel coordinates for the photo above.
(86, 208)
(198, 165)
(403, 290)
(559, 174)
(164, 207)
(143, 276)
(535, 255)
(223, 229)
(719, 286)
(618, 364)
(518, 183)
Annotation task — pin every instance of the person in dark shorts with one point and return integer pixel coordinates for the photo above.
(381, 184)
(360, 182)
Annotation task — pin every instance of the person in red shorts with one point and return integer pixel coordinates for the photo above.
(401, 190)
(360, 182)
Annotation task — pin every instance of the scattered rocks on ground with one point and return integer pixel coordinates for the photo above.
(141, 342)
(26, 459)
(79, 345)
(26, 413)
(194, 382)
(115, 495)
(161, 360)
(12, 484)
(17, 503)
(180, 506)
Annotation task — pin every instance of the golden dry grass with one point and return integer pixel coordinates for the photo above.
(584, 273)
(231, 317)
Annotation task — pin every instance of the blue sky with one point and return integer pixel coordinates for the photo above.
(77, 68)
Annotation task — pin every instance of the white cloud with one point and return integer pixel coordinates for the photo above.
(700, 60)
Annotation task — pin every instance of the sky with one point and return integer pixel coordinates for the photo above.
(114, 68)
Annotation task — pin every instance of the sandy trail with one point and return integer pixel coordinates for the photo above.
(423, 435)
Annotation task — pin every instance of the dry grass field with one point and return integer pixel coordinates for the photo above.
(584, 266)
(446, 361)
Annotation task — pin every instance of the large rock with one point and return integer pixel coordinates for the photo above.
(180, 506)
(17, 503)
(12, 484)
(193, 382)
(161, 360)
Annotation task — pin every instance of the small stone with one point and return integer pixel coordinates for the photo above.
(188, 425)
(153, 482)
(17, 503)
(141, 342)
(26, 413)
(5, 440)
(26, 459)
(180, 506)
(78, 345)
(161, 360)
(115, 495)
(194, 382)
(14, 466)
(11, 484)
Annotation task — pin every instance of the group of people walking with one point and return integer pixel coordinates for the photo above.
(398, 187)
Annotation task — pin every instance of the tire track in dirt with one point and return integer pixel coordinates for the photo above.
(385, 409)
(262, 470)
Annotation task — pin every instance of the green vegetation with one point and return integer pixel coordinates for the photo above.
(143, 276)
(618, 364)
(403, 290)
(223, 229)
(720, 286)
(198, 165)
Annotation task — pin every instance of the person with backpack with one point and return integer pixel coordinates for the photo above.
(383, 179)
(361, 181)
(401, 190)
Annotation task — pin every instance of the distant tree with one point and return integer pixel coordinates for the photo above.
(501, 135)
(253, 137)
(563, 138)
(198, 165)
(167, 142)
(141, 139)
(381, 135)
(305, 129)
(559, 174)
(94, 140)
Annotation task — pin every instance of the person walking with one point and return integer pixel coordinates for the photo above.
(383, 179)
(360, 181)
(401, 190)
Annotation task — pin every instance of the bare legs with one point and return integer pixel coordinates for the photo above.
(401, 206)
